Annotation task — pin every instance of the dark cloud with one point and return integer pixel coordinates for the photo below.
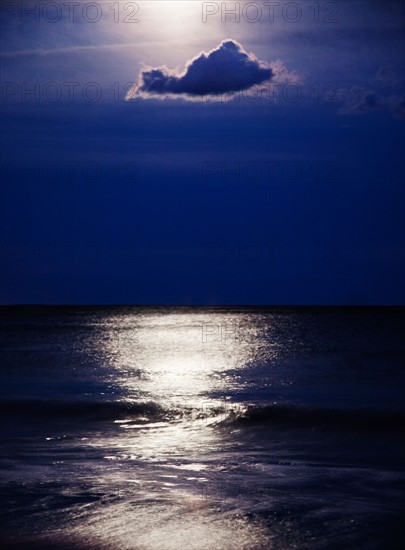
(225, 69)
(358, 100)
(386, 76)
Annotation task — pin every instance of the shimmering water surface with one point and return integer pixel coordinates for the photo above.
(202, 428)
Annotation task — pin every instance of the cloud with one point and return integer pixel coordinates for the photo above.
(358, 101)
(225, 69)
(65, 50)
(387, 76)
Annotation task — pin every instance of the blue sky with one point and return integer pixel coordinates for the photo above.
(289, 191)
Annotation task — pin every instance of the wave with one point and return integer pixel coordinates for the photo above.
(230, 415)
(87, 410)
(294, 416)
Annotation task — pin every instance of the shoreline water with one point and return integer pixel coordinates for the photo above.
(138, 428)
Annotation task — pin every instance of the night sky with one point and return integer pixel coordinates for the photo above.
(162, 152)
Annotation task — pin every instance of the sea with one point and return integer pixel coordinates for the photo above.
(202, 428)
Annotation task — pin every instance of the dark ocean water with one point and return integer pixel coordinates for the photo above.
(202, 428)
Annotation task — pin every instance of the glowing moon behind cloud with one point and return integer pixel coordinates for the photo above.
(175, 22)
(173, 27)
